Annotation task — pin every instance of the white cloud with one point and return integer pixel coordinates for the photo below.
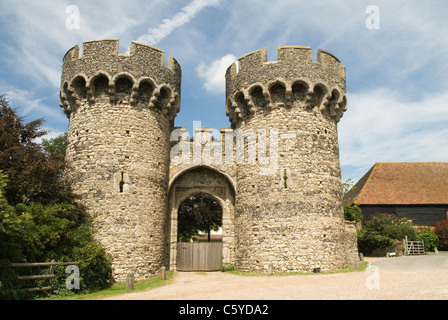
(155, 35)
(31, 105)
(409, 43)
(383, 126)
(214, 74)
(406, 54)
(38, 36)
(50, 135)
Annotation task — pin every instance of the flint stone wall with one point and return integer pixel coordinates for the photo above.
(283, 207)
(121, 109)
(292, 216)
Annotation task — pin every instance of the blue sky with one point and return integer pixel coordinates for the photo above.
(396, 75)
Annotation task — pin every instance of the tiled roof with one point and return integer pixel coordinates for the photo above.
(402, 183)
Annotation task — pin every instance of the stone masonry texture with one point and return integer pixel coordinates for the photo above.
(283, 207)
(291, 216)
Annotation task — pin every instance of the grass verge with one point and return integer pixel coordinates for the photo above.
(142, 285)
(118, 289)
(362, 266)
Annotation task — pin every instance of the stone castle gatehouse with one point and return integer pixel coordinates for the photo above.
(275, 171)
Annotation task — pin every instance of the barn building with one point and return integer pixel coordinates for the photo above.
(417, 191)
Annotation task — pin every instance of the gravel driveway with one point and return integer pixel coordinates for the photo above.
(397, 278)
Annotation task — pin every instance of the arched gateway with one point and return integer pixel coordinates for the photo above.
(206, 180)
(275, 172)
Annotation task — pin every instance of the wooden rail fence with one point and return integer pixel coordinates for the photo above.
(51, 265)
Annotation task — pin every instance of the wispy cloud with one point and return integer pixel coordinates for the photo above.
(384, 126)
(155, 35)
(396, 76)
(38, 37)
(214, 74)
(33, 106)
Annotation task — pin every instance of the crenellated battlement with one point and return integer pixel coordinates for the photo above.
(275, 172)
(102, 49)
(294, 80)
(139, 78)
(288, 56)
(102, 56)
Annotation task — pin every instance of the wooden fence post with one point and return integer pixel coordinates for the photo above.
(405, 246)
(52, 267)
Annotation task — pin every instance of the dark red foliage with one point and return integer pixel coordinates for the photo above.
(33, 176)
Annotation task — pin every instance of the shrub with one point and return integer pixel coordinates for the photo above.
(430, 239)
(400, 231)
(368, 242)
(382, 230)
(352, 213)
(95, 267)
(226, 267)
(441, 230)
(39, 233)
(391, 226)
(9, 283)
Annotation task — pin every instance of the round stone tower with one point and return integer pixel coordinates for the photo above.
(289, 200)
(121, 109)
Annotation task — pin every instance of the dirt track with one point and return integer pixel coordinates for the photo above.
(398, 278)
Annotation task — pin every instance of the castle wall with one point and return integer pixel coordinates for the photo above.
(275, 172)
(121, 109)
(290, 215)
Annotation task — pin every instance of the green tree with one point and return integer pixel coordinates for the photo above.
(10, 227)
(346, 186)
(3, 179)
(352, 213)
(39, 217)
(35, 177)
(55, 148)
(199, 213)
(187, 228)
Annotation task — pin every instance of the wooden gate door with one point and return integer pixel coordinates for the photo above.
(199, 256)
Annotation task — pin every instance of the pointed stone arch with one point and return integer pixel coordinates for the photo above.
(259, 96)
(300, 91)
(123, 84)
(146, 87)
(320, 97)
(99, 87)
(202, 179)
(242, 109)
(78, 86)
(280, 92)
